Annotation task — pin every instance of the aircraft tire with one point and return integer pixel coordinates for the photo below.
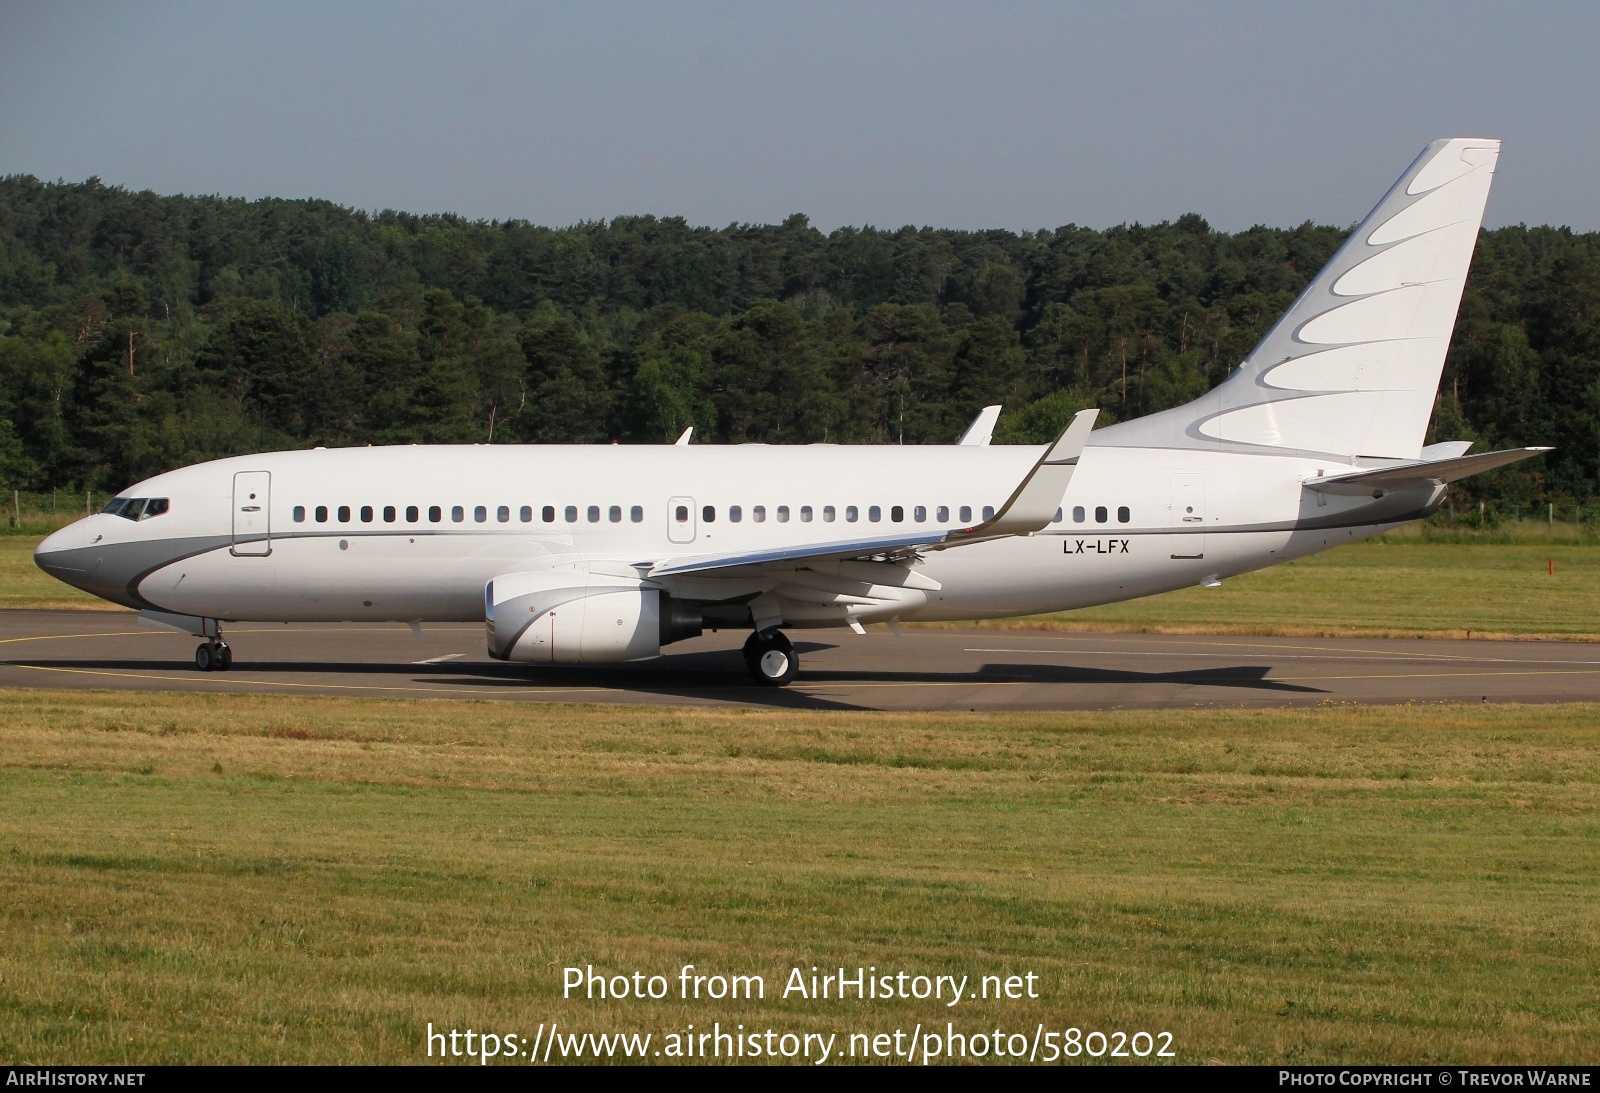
(205, 658)
(770, 658)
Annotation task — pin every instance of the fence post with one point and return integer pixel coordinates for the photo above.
(1552, 515)
(16, 506)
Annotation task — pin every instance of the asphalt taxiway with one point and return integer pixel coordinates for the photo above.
(966, 669)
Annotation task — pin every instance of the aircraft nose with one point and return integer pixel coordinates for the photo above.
(55, 554)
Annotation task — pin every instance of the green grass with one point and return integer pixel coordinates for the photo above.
(236, 878)
(1383, 588)
(25, 585)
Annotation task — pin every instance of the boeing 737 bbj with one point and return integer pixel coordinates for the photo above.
(582, 555)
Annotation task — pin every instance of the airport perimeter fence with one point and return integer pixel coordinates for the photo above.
(33, 513)
(1559, 519)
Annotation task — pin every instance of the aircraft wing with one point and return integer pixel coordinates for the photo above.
(1431, 473)
(1030, 508)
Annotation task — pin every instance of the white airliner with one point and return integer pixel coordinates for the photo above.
(581, 555)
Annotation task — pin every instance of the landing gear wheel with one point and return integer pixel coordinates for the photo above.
(771, 659)
(213, 656)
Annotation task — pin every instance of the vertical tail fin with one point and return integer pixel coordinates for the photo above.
(1352, 368)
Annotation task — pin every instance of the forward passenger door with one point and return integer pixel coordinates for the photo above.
(252, 514)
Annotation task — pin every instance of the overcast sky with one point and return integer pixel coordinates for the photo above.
(974, 115)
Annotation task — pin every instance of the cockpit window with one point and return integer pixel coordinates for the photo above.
(137, 508)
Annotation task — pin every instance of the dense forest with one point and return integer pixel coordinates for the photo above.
(141, 332)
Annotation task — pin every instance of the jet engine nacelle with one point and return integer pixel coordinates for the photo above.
(569, 616)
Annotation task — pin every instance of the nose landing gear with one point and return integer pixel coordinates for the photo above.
(770, 658)
(213, 656)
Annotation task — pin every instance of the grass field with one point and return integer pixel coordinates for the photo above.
(1390, 587)
(1382, 588)
(23, 584)
(230, 878)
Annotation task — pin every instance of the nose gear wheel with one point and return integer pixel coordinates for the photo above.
(213, 656)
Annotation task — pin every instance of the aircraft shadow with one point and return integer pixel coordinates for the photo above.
(718, 674)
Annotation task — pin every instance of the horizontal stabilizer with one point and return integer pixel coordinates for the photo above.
(1407, 475)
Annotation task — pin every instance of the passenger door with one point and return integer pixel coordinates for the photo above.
(680, 520)
(252, 514)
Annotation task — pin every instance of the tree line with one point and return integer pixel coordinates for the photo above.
(140, 332)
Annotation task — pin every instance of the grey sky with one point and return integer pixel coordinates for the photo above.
(968, 116)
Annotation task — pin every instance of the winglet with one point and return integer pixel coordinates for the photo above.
(683, 441)
(981, 429)
(1033, 503)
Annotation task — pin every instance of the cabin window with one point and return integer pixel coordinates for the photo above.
(344, 514)
(1100, 515)
(366, 514)
(1124, 514)
(503, 514)
(299, 514)
(322, 514)
(636, 514)
(988, 512)
(525, 514)
(412, 515)
(827, 514)
(681, 514)
(548, 514)
(920, 514)
(898, 514)
(480, 513)
(594, 514)
(457, 514)
(435, 514)
(966, 514)
(1056, 519)
(571, 514)
(735, 513)
(851, 514)
(614, 514)
(389, 514)
(942, 514)
(709, 514)
(805, 514)
(759, 514)
(1078, 515)
(783, 514)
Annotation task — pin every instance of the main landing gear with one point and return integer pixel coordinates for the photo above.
(213, 656)
(770, 658)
